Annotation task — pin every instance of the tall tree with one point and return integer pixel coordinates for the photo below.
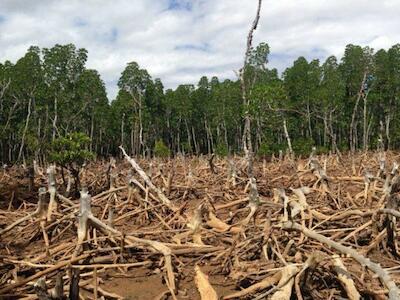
(135, 81)
(63, 65)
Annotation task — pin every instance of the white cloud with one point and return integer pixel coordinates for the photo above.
(181, 40)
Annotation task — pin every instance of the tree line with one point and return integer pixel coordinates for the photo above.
(346, 104)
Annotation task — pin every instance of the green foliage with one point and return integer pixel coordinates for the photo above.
(32, 142)
(264, 150)
(268, 148)
(315, 98)
(185, 147)
(322, 150)
(303, 146)
(343, 146)
(161, 150)
(70, 151)
(222, 150)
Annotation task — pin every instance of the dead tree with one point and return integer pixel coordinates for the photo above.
(163, 199)
(287, 138)
(247, 144)
(52, 191)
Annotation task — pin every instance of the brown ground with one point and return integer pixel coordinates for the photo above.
(233, 259)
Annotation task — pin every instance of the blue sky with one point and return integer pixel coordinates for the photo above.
(181, 40)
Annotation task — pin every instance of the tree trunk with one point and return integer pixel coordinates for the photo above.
(195, 142)
(259, 130)
(55, 119)
(368, 132)
(247, 145)
(287, 137)
(365, 134)
(208, 137)
(133, 138)
(25, 129)
(353, 116)
(122, 130)
(189, 137)
(387, 131)
(325, 128)
(309, 120)
(226, 134)
(140, 142)
(91, 132)
(211, 138)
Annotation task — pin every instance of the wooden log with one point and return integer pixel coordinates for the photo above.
(206, 290)
(394, 292)
(147, 180)
(263, 284)
(56, 267)
(345, 279)
(285, 283)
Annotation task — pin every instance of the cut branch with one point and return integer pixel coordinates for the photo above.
(394, 292)
(146, 179)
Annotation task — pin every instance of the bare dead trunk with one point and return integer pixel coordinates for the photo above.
(247, 145)
(287, 137)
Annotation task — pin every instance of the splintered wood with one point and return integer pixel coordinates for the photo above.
(203, 228)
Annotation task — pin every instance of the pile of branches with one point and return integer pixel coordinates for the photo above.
(306, 228)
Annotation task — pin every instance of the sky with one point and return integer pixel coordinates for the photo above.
(181, 40)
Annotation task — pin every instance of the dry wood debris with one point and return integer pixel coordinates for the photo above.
(315, 234)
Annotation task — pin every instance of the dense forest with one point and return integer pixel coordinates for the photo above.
(345, 104)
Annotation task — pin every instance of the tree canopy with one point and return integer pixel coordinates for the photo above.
(50, 93)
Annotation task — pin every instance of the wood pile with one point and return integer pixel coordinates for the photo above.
(298, 229)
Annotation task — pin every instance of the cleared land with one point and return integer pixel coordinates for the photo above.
(319, 228)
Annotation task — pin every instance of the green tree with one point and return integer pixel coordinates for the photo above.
(302, 82)
(332, 93)
(161, 150)
(91, 108)
(63, 65)
(134, 81)
(70, 152)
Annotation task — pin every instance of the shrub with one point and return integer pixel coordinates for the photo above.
(322, 150)
(161, 150)
(70, 152)
(303, 146)
(268, 148)
(221, 150)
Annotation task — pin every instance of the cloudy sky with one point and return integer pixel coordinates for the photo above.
(181, 40)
